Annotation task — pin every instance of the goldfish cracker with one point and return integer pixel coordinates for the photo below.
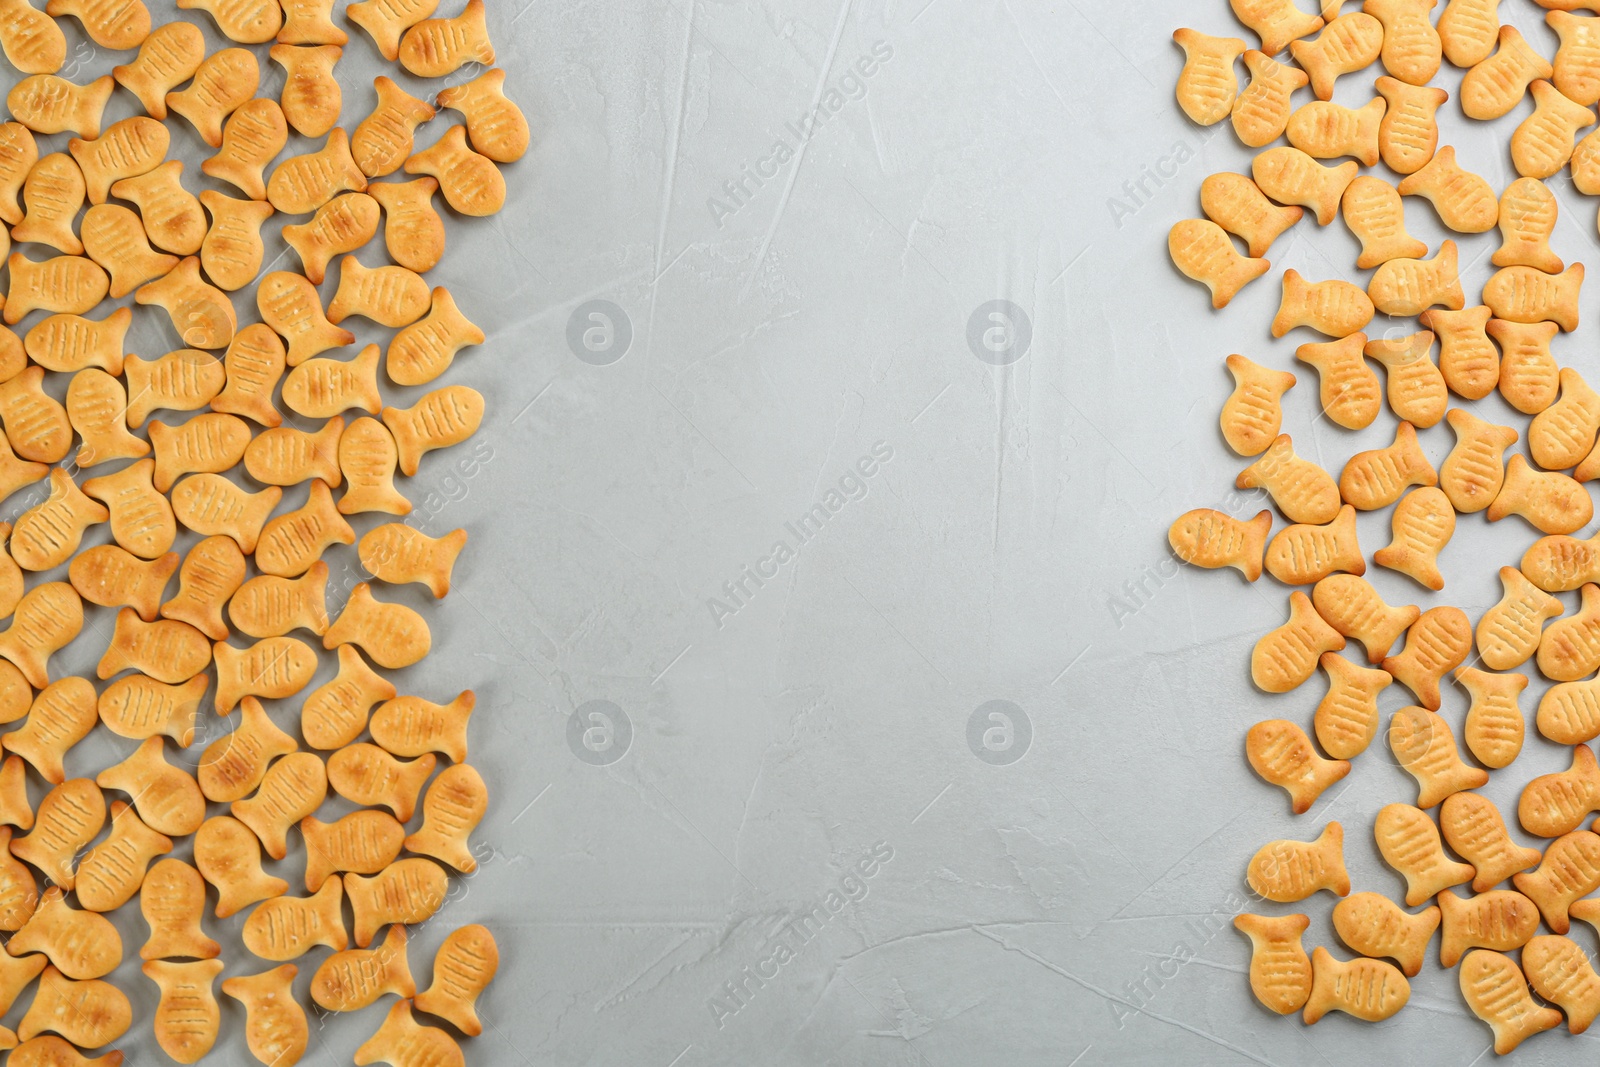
(1497, 993)
(275, 1024)
(202, 314)
(1375, 213)
(1558, 970)
(290, 305)
(1351, 606)
(141, 519)
(88, 1014)
(1551, 502)
(287, 456)
(409, 890)
(365, 842)
(1559, 564)
(468, 959)
(1409, 133)
(254, 363)
(1577, 62)
(1261, 112)
(245, 21)
(1289, 176)
(1281, 753)
(1377, 478)
(1509, 633)
(168, 57)
(421, 352)
(1202, 251)
(497, 127)
(172, 901)
(1437, 643)
(223, 81)
(1529, 376)
(1370, 990)
(335, 713)
(251, 138)
(342, 225)
(52, 196)
(232, 767)
(33, 43)
(1347, 44)
(1410, 286)
(1335, 308)
(211, 572)
(311, 98)
(1467, 30)
(1465, 202)
(383, 141)
(1423, 524)
(139, 707)
(1528, 211)
(1375, 926)
(1425, 748)
(285, 928)
(71, 284)
(232, 251)
(1468, 359)
(1494, 728)
(1304, 554)
(1472, 826)
(1526, 295)
(211, 504)
(111, 576)
(228, 857)
(47, 104)
(70, 343)
(307, 182)
(1303, 491)
(398, 554)
(455, 804)
(434, 48)
(473, 185)
(1409, 842)
(1562, 434)
(180, 381)
(187, 1017)
(1416, 390)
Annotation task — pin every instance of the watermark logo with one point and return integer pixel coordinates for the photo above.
(999, 732)
(794, 934)
(1153, 177)
(999, 332)
(1139, 591)
(208, 730)
(599, 332)
(83, 53)
(449, 486)
(738, 591)
(757, 173)
(599, 732)
(1139, 993)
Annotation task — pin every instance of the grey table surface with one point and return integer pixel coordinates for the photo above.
(773, 501)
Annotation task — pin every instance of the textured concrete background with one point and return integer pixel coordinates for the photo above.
(769, 474)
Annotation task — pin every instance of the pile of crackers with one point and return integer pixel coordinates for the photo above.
(1518, 970)
(247, 411)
